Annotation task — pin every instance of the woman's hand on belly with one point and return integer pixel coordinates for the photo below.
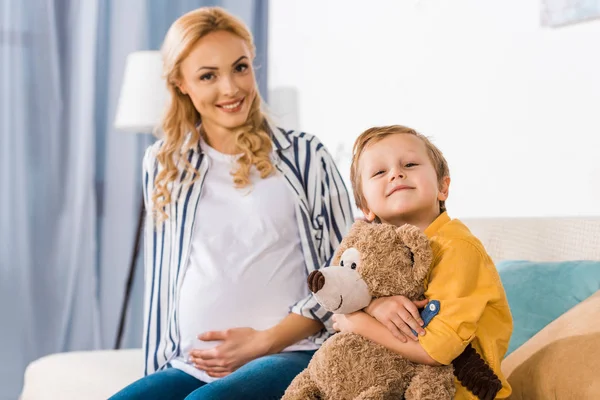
(239, 346)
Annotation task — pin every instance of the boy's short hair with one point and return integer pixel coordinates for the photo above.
(374, 135)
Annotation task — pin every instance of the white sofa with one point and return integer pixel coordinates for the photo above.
(99, 374)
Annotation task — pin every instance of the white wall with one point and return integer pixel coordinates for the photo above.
(515, 107)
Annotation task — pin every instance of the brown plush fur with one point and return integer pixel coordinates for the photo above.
(394, 261)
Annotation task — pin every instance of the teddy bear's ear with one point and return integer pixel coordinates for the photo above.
(359, 229)
(360, 225)
(419, 246)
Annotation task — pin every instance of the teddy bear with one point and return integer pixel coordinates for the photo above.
(373, 260)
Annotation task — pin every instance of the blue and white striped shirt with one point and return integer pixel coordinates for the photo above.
(323, 214)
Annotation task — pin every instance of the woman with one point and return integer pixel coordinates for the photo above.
(239, 212)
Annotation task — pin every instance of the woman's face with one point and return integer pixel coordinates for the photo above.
(218, 77)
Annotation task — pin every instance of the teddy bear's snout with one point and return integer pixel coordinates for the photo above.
(316, 281)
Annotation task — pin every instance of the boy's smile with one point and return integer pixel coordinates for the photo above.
(398, 188)
(399, 181)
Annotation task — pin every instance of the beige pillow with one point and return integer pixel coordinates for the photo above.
(583, 319)
(565, 369)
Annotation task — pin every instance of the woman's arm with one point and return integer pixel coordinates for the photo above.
(242, 345)
(329, 201)
(290, 330)
(150, 342)
(363, 324)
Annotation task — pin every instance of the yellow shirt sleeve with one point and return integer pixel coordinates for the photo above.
(464, 279)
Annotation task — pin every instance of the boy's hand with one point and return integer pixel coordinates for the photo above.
(399, 315)
(347, 322)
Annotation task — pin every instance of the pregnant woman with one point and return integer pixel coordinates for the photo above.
(239, 212)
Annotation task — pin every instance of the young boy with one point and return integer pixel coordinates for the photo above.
(399, 177)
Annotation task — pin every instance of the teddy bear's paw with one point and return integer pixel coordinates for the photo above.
(428, 393)
(378, 393)
(431, 383)
(302, 388)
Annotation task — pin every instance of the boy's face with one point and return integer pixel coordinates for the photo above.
(399, 182)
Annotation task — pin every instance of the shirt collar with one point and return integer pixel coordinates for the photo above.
(278, 137)
(437, 224)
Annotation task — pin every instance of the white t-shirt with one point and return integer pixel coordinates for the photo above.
(246, 266)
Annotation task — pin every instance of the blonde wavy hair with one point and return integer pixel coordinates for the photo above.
(181, 117)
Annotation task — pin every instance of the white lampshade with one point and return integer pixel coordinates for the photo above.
(143, 93)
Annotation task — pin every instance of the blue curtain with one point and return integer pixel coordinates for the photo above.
(70, 185)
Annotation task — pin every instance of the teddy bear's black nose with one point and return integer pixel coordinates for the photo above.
(316, 281)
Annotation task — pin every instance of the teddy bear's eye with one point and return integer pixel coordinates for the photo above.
(342, 263)
(353, 266)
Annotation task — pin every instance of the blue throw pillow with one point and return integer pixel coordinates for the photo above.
(540, 292)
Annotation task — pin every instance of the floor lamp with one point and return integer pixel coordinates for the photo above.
(140, 108)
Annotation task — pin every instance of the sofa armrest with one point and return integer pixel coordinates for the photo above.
(86, 375)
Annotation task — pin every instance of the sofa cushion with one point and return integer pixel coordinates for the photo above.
(90, 375)
(540, 292)
(583, 319)
(565, 369)
(562, 360)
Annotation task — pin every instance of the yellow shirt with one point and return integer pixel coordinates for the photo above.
(473, 305)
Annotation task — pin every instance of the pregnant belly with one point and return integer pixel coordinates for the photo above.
(203, 309)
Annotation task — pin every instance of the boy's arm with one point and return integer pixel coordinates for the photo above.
(466, 283)
(363, 324)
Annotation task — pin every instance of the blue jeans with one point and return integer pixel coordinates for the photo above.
(264, 378)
